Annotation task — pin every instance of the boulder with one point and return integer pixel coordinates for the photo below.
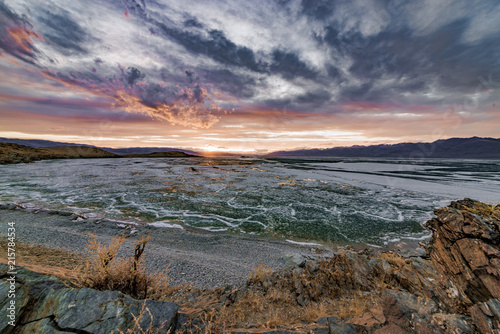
(45, 305)
(294, 260)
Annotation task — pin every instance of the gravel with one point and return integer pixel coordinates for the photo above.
(206, 259)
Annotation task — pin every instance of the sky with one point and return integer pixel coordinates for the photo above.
(249, 76)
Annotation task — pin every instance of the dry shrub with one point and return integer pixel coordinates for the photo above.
(395, 260)
(104, 270)
(260, 273)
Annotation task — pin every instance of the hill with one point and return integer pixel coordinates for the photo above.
(36, 143)
(14, 153)
(459, 148)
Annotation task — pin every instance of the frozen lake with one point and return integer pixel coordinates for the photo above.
(326, 200)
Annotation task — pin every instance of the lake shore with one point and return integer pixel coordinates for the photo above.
(206, 259)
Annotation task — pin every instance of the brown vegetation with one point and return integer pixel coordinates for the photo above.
(485, 210)
(42, 256)
(345, 286)
(105, 270)
(138, 328)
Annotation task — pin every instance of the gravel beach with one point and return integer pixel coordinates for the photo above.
(206, 259)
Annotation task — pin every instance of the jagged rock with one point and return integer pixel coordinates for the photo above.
(419, 252)
(465, 250)
(373, 318)
(294, 260)
(45, 305)
(337, 328)
(326, 321)
(453, 323)
(409, 312)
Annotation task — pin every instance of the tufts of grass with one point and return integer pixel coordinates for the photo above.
(105, 270)
(486, 210)
(138, 324)
(260, 273)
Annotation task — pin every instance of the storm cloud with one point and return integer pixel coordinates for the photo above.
(190, 62)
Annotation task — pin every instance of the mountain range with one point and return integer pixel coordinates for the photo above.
(459, 148)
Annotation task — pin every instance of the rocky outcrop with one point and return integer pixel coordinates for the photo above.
(451, 286)
(45, 305)
(465, 251)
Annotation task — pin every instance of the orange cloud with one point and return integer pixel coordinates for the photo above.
(183, 113)
(23, 37)
(189, 111)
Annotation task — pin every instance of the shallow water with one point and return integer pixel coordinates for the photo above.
(327, 200)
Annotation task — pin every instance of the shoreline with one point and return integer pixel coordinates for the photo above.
(392, 242)
(206, 259)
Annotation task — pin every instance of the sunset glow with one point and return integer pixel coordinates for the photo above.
(238, 77)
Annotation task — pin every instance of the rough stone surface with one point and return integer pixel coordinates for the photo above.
(45, 305)
(294, 260)
(373, 318)
(342, 329)
(465, 250)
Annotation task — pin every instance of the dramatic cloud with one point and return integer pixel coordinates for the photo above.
(187, 106)
(66, 34)
(188, 63)
(16, 36)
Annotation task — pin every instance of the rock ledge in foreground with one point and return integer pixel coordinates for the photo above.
(465, 251)
(45, 305)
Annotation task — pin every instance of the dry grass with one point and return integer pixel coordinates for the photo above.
(260, 273)
(486, 210)
(138, 326)
(105, 270)
(277, 308)
(395, 260)
(44, 256)
(341, 286)
(288, 298)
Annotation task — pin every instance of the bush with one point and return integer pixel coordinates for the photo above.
(104, 270)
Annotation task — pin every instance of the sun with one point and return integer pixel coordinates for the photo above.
(210, 149)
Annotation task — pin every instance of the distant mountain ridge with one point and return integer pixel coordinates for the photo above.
(460, 148)
(38, 143)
